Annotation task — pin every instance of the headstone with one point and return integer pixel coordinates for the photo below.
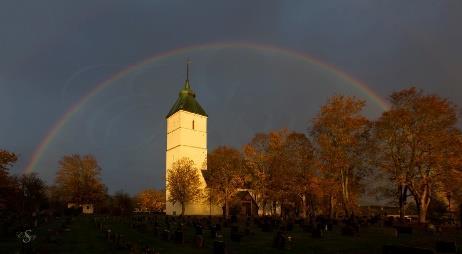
(233, 219)
(166, 235)
(317, 232)
(121, 244)
(446, 247)
(218, 247)
(289, 242)
(388, 222)
(179, 236)
(156, 230)
(279, 241)
(330, 226)
(199, 241)
(199, 229)
(108, 234)
(399, 249)
(290, 226)
(348, 230)
(247, 230)
(266, 226)
(235, 234)
(307, 227)
(403, 230)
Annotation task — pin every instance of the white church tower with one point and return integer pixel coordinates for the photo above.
(187, 137)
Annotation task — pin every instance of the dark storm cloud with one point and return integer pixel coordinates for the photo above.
(52, 53)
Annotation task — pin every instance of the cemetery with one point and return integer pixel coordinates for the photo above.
(157, 233)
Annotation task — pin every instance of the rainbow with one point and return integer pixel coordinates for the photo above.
(61, 122)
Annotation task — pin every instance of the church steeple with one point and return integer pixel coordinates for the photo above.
(187, 69)
(187, 98)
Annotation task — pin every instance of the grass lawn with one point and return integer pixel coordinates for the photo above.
(82, 235)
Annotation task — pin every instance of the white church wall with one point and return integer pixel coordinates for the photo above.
(188, 139)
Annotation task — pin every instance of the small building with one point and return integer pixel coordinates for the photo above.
(86, 208)
(243, 204)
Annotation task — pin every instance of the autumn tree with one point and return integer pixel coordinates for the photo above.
(419, 145)
(340, 134)
(298, 165)
(152, 200)
(183, 183)
(9, 191)
(281, 166)
(78, 179)
(258, 165)
(34, 192)
(224, 174)
(263, 158)
(121, 203)
(7, 159)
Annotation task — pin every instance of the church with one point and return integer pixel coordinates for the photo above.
(187, 137)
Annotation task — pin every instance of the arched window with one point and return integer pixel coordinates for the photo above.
(193, 125)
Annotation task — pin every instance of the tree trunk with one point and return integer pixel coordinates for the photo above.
(345, 194)
(226, 208)
(303, 206)
(182, 209)
(402, 189)
(264, 206)
(331, 207)
(424, 202)
(312, 209)
(282, 213)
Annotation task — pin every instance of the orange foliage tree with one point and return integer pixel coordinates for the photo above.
(340, 134)
(420, 145)
(78, 180)
(280, 166)
(151, 200)
(224, 174)
(183, 183)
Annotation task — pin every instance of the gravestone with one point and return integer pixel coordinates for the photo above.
(166, 235)
(108, 234)
(156, 230)
(121, 243)
(290, 226)
(279, 241)
(267, 225)
(199, 241)
(330, 226)
(198, 229)
(446, 247)
(317, 232)
(235, 234)
(289, 242)
(307, 227)
(179, 236)
(348, 230)
(219, 247)
(399, 249)
(388, 222)
(403, 230)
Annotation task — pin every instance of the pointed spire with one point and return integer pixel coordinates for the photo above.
(187, 68)
(186, 90)
(187, 98)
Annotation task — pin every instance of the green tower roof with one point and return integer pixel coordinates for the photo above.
(187, 101)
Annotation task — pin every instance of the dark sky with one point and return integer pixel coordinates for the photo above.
(53, 53)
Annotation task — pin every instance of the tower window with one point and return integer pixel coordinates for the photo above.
(193, 125)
